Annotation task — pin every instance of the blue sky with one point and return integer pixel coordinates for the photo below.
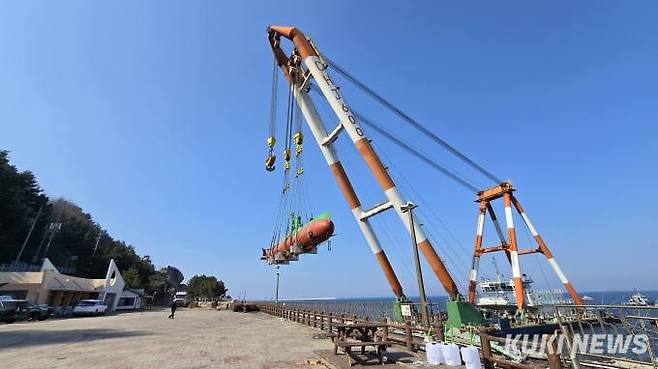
(152, 116)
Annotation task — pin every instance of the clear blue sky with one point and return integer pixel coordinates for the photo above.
(152, 116)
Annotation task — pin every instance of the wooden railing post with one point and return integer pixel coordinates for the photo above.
(554, 361)
(330, 323)
(408, 337)
(438, 328)
(486, 348)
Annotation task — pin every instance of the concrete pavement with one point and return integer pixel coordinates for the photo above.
(195, 339)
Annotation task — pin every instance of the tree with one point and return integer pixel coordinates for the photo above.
(20, 200)
(132, 278)
(74, 244)
(206, 287)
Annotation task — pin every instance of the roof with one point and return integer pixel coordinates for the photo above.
(50, 278)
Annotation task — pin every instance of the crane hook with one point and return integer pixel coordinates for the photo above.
(271, 158)
(269, 162)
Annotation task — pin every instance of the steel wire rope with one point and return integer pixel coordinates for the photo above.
(444, 170)
(450, 173)
(407, 184)
(408, 147)
(397, 245)
(447, 258)
(411, 121)
(450, 249)
(274, 100)
(536, 257)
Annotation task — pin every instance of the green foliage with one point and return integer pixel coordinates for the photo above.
(20, 200)
(206, 287)
(72, 247)
(132, 278)
(159, 284)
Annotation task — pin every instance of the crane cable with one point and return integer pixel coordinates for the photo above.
(294, 200)
(271, 134)
(411, 121)
(449, 173)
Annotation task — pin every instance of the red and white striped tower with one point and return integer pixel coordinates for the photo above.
(325, 142)
(513, 251)
(510, 247)
(496, 223)
(348, 123)
(544, 250)
(476, 252)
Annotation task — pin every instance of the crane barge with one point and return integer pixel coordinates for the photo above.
(305, 67)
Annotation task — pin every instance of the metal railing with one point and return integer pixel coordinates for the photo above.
(370, 309)
(617, 336)
(407, 334)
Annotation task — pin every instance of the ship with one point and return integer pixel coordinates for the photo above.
(638, 299)
(498, 293)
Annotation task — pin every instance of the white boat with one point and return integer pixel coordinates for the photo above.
(638, 299)
(500, 293)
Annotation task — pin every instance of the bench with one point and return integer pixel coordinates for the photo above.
(347, 347)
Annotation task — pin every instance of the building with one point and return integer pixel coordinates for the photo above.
(131, 299)
(61, 291)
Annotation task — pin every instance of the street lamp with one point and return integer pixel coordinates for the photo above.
(277, 285)
(408, 208)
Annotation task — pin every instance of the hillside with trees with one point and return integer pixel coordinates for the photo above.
(64, 233)
(206, 288)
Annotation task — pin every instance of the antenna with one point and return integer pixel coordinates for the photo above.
(493, 261)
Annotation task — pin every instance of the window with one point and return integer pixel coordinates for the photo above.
(126, 301)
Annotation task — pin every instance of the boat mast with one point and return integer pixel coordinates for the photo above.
(306, 54)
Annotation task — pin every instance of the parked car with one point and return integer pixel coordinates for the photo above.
(8, 309)
(30, 311)
(90, 307)
(181, 299)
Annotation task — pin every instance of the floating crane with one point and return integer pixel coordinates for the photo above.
(305, 69)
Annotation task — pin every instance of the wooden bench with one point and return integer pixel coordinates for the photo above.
(347, 347)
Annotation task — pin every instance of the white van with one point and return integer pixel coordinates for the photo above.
(89, 307)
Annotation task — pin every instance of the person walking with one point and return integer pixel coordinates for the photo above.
(173, 309)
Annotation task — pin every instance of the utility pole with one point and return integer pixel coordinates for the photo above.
(27, 238)
(98, 239)
(277, 285)
(408, 208)
(54, 227)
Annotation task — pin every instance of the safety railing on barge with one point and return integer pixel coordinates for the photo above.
(617, 336)
(406, 334)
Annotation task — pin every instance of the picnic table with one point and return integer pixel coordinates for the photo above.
(360, 335)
